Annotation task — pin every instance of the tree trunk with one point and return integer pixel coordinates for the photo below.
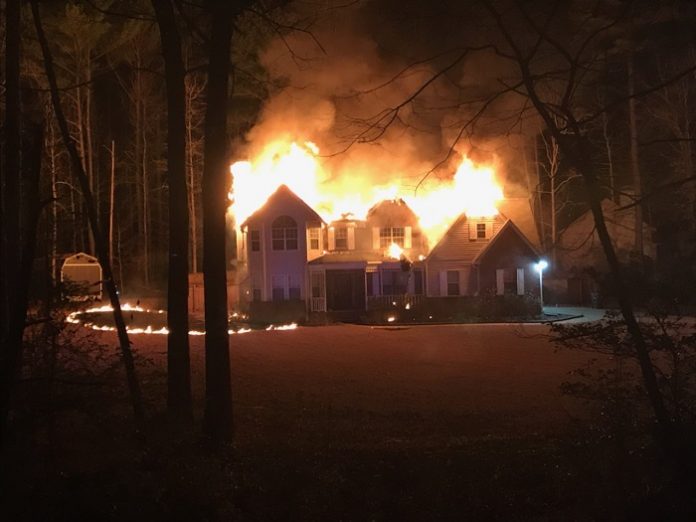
(112, 194)
(218, 394)
(54, 202)
(146, 206)
(539, 196)
(12, 341)
(10, 349)
(100, 242)
(635, 165)
(610, 158)
(179, 403)
(191, 177)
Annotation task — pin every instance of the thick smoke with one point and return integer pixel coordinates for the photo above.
(339, 80)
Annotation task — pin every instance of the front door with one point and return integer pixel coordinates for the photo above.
(345, 290)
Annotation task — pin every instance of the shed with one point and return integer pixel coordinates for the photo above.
(83, 270)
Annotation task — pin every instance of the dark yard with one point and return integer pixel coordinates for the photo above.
(348, 423)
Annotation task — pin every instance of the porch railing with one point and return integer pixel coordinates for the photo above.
(397, 301)
(318, 304)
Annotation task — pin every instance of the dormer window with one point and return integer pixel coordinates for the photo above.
(314, 238)
(341, 238)
(480, 230)
(284, 233)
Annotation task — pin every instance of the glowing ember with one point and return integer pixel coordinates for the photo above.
(473, 189)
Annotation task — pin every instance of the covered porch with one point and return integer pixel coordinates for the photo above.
(354, 287)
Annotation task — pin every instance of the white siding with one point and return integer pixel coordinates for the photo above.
(375, 238)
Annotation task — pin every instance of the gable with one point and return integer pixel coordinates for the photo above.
(508, 247)
(283, 202)
(457, 243)
(519, 211)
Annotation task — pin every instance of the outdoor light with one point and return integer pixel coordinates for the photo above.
(540, 267)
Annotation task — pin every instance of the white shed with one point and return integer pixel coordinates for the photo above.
(84, 270)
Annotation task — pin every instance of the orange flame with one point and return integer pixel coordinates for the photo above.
(473, 189)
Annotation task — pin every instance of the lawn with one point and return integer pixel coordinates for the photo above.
(344, 422)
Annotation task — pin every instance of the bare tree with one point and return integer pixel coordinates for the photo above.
(218, 393)
(11, 350)
(179, 403)
(100, 241)
(574, 144)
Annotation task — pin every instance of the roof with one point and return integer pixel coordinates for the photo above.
(349, 256)
(509, 225)
(456, 239)
(80, 258)
(519, 210)
(389, 212)
(283, 195)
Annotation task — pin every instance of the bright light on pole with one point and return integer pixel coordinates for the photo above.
(540, 267)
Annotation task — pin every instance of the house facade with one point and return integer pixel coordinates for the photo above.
(289, 258)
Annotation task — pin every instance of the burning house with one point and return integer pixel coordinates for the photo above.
(300, 253)
(294, 264)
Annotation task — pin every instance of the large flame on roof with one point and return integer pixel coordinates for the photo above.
(473, 189)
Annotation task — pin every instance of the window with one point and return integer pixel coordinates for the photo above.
(341, 238)
(480, 230)
(453, 282)
(506, 280)
(314, 239)
(394, 282)
(418, 282)
(389, 235)
(278, 286)
(294, 287)
(284, 233)
(255, 240)
(510, 281)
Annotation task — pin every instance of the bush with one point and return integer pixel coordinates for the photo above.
(496, 307)
(462, 309)
(267, 312)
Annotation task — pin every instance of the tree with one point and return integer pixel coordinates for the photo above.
(524, 40)
(11, 338)
(101, 246)
(218, 395)
(178, 365)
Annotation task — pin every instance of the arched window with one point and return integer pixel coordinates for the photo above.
(284, 233)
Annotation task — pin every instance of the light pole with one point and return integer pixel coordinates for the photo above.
(540, 267)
